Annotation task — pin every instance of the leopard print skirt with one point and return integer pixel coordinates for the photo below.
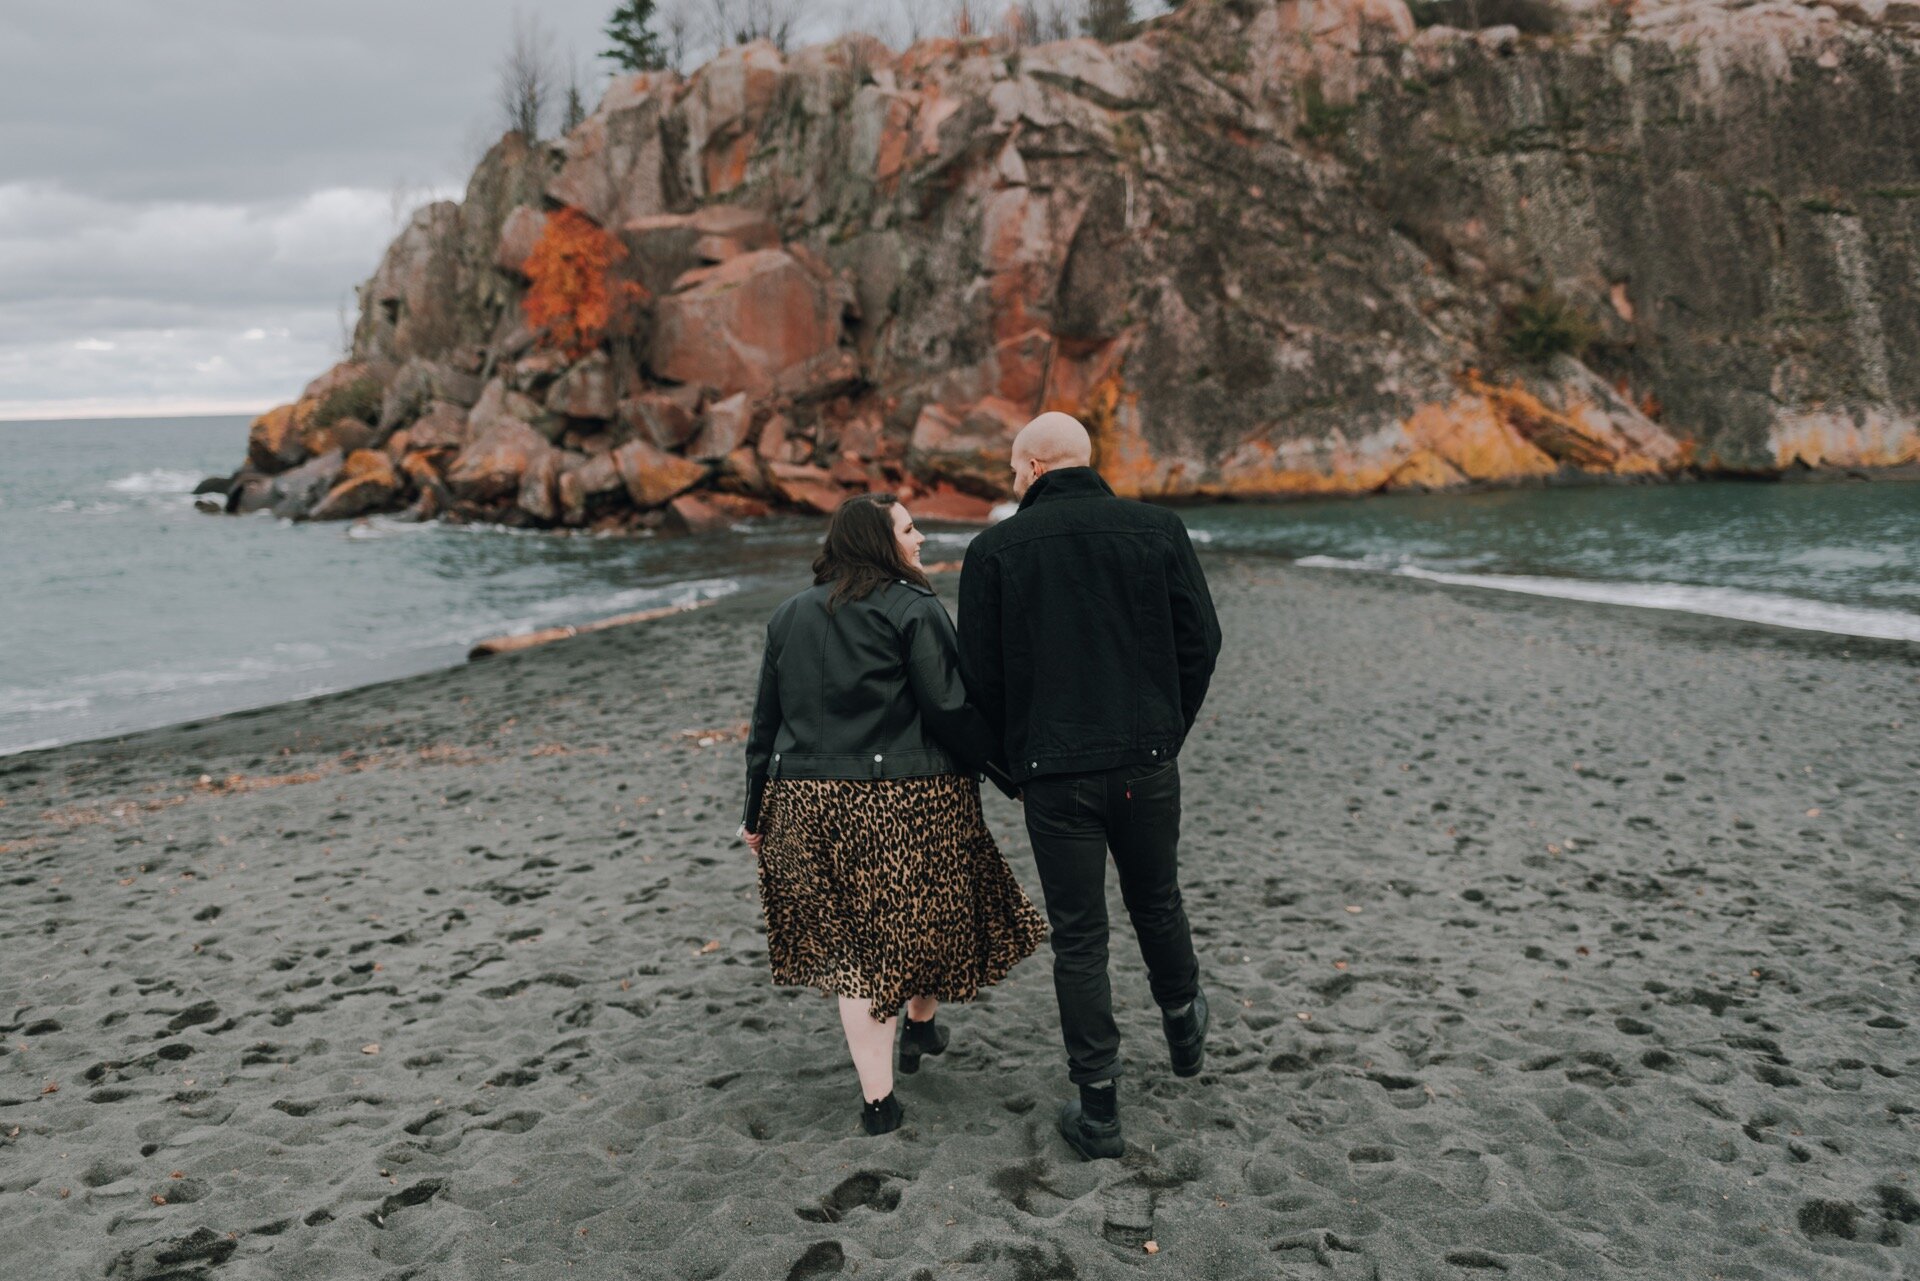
(884, 889)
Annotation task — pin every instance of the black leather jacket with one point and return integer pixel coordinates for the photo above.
(871, 690)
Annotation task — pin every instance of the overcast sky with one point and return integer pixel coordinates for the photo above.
(191, 189)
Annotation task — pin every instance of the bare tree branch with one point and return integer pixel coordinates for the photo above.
(527, 76)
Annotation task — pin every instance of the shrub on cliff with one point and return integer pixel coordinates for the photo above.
(1535, 17)
(1544, 325)
(571, 295)
(357, 399)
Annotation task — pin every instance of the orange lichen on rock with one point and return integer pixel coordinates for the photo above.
(572, 297)
(1840, 439)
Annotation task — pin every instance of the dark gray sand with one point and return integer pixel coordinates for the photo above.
(1544, 940)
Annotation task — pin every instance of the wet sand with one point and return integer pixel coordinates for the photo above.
(1544, 940)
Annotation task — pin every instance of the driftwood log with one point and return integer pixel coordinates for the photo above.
(547, 635)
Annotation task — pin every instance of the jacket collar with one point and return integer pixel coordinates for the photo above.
(1066, 482)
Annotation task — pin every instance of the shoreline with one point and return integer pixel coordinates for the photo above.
(1435, 580)
(1541, 937)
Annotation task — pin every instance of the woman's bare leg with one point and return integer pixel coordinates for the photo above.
(922, 1008)
(871, 1042)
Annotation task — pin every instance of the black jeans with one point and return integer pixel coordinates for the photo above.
(1073, 819)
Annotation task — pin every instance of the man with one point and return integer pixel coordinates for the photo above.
(1087, 639)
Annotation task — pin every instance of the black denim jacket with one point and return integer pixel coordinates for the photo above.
(1087, 633)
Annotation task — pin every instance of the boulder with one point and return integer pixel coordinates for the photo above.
(752, 322)
(443, 426)
(723, 428)
(216, 484)
(662, 420)
(748, 228)
(615, 162)
(698, 515)
(274, 439)
(717, 248)
(368, 482)
(588, 489)
(805, 486)
(743, 470)
(778, 444)
(737, 506)
(660, 249)
(723, 109)
(653, 476)
(498, 404)
(518, 236)
(944, 502)
(250, 492)
(539, 495)
(296, 492)
(492, 465)
(343, 434)
(971, 447)
(586, 390)
(418, 384)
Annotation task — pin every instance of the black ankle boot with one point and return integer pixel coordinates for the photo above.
(1187, 1036)
(883, 1117)
(917, 1039)
(1091, 1123)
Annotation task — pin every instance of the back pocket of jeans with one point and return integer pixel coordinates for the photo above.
(1155, 775)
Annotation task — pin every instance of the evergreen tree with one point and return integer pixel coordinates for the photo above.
(635, 45)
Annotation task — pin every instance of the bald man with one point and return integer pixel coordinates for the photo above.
(1087, 639)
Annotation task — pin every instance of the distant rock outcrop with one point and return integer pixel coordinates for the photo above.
(1268, 247)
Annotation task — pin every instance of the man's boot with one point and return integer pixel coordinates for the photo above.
(1187, 1035)
(1091, 1123)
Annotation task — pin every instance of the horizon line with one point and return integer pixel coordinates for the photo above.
(211, 409)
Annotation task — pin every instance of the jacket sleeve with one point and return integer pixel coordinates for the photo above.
(981, 651)
(933, 673)
(761, 732)
(1196, 628)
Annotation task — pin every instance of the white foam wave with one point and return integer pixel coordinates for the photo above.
(1716, 602)
(68, 506)
(157, 481)
(586, 608)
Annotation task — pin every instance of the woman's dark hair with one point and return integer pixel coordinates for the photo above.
(860, 553)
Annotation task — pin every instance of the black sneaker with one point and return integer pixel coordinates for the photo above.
(883, 1117)
(917, 1039)
(1187, 1036)
(1091, 1123)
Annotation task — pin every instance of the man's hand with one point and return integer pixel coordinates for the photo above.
(752, 839)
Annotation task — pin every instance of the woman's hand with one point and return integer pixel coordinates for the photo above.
(752, 839)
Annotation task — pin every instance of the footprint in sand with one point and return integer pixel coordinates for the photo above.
(823, 1259)
(876, 1190)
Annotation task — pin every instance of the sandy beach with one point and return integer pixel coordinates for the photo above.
(1545, 940)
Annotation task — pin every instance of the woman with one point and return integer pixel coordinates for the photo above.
(880, 881)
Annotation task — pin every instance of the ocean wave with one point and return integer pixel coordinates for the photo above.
(158, 481)
(1774, 610)
(68, 506)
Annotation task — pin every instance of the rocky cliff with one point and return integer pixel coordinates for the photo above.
(1267, 247)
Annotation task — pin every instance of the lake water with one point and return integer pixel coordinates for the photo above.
(121, 607)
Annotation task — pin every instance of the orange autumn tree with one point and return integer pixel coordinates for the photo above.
(572, 297)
